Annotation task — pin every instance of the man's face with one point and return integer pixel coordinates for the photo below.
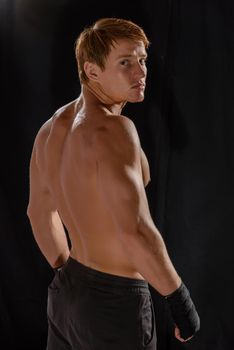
(124, 76)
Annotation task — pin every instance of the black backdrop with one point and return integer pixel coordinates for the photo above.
(186, 129)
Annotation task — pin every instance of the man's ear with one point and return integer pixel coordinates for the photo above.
(91, 70)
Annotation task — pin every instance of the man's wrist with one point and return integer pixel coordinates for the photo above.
(175, 292)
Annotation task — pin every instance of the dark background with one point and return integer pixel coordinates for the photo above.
(186, 130)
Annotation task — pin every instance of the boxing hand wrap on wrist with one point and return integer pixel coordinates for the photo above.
(184, 312)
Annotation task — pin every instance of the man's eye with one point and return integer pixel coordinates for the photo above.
(124, 62)
(143, 61)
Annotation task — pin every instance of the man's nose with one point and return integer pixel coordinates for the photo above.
(140, 71)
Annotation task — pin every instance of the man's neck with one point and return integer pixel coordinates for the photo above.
(93, 94)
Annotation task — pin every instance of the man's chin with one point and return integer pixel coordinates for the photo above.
(136, 99)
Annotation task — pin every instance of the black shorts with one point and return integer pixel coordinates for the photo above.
(92, 310)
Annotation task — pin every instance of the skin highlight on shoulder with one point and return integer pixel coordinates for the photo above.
(119, 133)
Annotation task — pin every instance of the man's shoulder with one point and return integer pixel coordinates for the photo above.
(120, 122)
(59, 114)
(43, 132)
(117, 127)
(66, 109)
(117, 135)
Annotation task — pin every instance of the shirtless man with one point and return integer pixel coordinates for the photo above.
(88, 173)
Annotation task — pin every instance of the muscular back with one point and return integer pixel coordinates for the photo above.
(67, 156)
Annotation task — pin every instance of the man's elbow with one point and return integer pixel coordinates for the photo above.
(144, 232)
(126, 234)
(30, 212)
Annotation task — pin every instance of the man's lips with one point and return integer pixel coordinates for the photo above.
(138, 86)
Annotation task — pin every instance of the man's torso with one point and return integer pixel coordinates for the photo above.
(67, 157)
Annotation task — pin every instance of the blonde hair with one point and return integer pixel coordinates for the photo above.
(95, 42)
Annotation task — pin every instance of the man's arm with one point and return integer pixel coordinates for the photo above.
(46, 224)
(121, 185)
(122, 189)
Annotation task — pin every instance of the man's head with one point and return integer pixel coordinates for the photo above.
(94, 43)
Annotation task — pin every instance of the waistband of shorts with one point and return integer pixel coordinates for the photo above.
(90, 275)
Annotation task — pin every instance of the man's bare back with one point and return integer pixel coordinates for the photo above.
(71, 170)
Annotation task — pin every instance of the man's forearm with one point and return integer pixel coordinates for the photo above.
(50, 236)
(149, 255)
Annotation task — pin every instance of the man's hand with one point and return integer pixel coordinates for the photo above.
(184, 313)
(177, 335)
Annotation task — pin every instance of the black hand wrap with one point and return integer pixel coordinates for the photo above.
(183, 312)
